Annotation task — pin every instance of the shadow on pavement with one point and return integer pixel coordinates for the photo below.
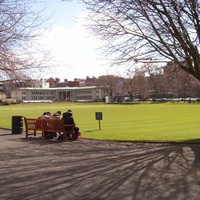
(93, 169)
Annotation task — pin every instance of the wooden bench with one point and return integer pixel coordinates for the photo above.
(50, 126)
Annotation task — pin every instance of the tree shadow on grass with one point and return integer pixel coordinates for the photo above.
(93, 169)
(89, 131)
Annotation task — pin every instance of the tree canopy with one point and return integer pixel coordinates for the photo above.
(19, 32)
(148, 31)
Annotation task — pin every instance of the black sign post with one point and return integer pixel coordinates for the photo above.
(99, 117)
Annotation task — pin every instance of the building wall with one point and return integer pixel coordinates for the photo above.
(59, 94)
(42, 83)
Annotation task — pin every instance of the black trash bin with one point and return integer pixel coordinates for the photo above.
(17, 124)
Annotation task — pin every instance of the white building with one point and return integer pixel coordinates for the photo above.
(90, 93)
(42, 83)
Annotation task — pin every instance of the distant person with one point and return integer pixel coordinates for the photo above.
(57, 114)
(68, 119)
(48, 114)
(45, 115)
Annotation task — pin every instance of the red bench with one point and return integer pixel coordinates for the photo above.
(47, 125)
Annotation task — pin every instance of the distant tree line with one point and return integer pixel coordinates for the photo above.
(151, 81)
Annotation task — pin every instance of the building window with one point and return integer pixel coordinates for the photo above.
(84, 92)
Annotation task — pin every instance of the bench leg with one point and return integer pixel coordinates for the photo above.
(43, 135)
(64, 136)
(35, 133)
(26, 133)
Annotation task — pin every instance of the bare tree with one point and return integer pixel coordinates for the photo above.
(179, 83)
(141, 83)
(149, 31)
(155, 80)
(110, 84)
(20, 30)
(129, 87)
(135, 84)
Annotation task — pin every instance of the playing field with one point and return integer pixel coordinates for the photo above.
(137, 122)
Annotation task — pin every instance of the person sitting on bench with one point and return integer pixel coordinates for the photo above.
(68, 119)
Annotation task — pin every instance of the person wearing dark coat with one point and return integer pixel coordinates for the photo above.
(68, 119)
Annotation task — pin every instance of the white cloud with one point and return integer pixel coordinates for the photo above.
(75, 52)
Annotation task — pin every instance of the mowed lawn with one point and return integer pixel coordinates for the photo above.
(165, 122)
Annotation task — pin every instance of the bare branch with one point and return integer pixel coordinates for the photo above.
(19, 37)
(148, 30)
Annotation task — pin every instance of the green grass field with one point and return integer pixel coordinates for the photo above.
(167, 122)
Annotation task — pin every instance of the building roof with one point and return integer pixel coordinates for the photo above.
(59, 88)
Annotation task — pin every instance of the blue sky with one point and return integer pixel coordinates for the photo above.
(71, 45)
(64, 13)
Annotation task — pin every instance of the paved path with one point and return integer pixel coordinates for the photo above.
(36, 169)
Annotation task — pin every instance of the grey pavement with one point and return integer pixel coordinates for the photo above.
(93, 169)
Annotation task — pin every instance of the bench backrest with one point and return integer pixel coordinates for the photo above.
(32, 124)
(51, 125)
(39, 124)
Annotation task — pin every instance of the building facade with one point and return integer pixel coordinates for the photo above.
(90, 93)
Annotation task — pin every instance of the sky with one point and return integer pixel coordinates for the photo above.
(74, 49)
